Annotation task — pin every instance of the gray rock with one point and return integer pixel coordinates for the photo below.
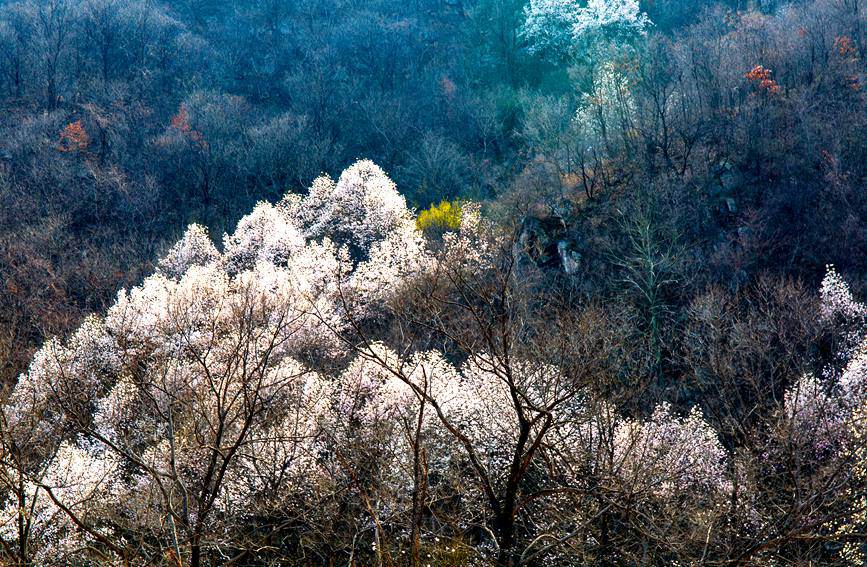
(570, 259)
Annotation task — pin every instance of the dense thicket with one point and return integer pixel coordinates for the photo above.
(627, 276)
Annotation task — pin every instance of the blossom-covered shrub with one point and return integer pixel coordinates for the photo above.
(361, 209)
(74, 490)
(281, 389)
(63, 381)
(612, 19)
(265, 235)
(814, 419)
(195, 248)
(840, 309)
(669, 455)
(853, 524)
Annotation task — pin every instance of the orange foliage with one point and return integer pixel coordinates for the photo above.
(181, 123)
(181, 120)
(761, 77)
(844, 46)
(73, 138)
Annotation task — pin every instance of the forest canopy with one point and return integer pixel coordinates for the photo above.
(441, 282)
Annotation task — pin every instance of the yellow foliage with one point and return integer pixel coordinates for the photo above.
(440, 218)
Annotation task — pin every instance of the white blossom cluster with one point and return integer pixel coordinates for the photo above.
(77, 372)
(665, 456)
(609, 106)
(837, 299)
(556, 28)
(79, 476)
(849, 316)
(668, 454)
(856, 521)
(203, 356)
(839, 306)
(194, 249)
(819, 411)
(853, 381)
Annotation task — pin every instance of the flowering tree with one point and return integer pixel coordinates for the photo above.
(516, 430)
(195, 248)
(188, 401)
(192, 399)
(853, 526)
(806, 462)
(558, 29)
(606, 114)
(850, 315)
(610, 19)
(548, 26)
(361, 209)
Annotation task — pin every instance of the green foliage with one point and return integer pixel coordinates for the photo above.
(440, 218)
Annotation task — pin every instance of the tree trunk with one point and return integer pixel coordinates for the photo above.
(195, 553)
(504, 529)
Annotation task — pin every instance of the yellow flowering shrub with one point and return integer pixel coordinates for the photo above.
(440, 218)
